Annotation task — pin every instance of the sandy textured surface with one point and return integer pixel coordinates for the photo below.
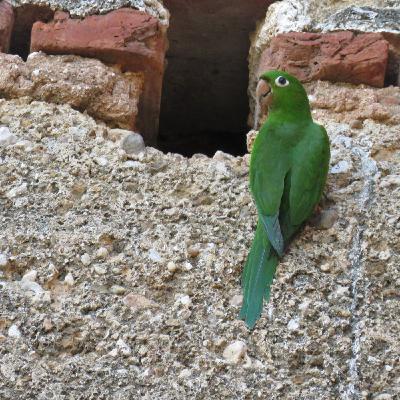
(120, 273)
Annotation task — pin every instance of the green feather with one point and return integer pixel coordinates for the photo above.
(273, 230)
(257, 277)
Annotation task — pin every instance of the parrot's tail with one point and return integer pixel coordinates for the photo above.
(257, 277)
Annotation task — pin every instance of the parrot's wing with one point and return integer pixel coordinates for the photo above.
(267, 177)
(308, 174)
(274, 233)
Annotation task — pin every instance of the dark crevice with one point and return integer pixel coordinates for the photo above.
(25, 17)
(392, 72)
(204, 104)
(205, 142)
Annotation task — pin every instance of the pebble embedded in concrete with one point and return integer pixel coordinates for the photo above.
(171, 266)
(85, 259)
(30, 276)
(14, 332)
(133, 143)
(236, 300)
(185, 373)
(116, 289)
(3, 260)
(17, 191)
(293, 324)
(102, 252)
(6, 137)
(69, 279)
(235, 352)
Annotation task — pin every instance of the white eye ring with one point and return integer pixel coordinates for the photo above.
(281, 81)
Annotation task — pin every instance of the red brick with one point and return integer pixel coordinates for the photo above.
(338, 57)
(132, 39)
(6, 25)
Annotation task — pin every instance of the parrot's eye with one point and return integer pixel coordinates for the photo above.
(281, 81)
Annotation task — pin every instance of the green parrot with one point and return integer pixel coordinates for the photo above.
(288, 169)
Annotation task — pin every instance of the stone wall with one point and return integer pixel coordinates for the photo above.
(120, 269)
(132, 40)
(120, 265)
(302, 37)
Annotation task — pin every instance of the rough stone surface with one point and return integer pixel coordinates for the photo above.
(319, 16)
(338, 57)
(6, 25)
(147, 319)
(132, 39)
(89, 7)
(364, 19)
(86, 84)
(6, 137)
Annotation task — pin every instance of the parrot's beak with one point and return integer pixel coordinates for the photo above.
(263, 94)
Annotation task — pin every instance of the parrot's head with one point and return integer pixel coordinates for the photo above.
(280, 91)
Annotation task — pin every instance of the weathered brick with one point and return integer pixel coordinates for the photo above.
(339, 56)
(132, 39)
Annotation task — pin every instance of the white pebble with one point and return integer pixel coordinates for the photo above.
(102, 252)
(311, 97)
(102, 161)
(221, 156)
(116, 289)
(69, 279)
(6, 137)
(30, 276)
(221, 168)
(133, 164)
(34, 54)
(341, 167)
(235, 352)
(30, 286)
(100, 270)
(3, 260)
(342, 291)
(154, 256)
(113, 353)
(325, 267)
(304, 305)
(133, 143)
(293, 324)
(17, 191)
(85, 259)
(187, 266)
(14, 332)
(236, 300)
(384, 255)
(123, 348)
(185, 373)
(184, 299)
(171, 266)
